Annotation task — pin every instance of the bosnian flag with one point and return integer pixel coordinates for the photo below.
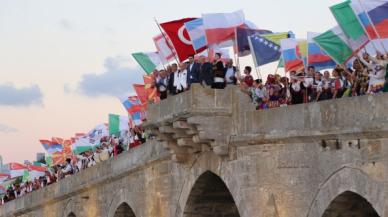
(197, 34)
(165, 48)
(4, 177)
(373, 15)
(35, 172)
(316, 56)
(291, 55)
(16, 169)
(220, 27)
(51, 146)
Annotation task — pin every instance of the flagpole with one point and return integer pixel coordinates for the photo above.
(254, 58)
(373, 26)
(237, 60)
(165, 38)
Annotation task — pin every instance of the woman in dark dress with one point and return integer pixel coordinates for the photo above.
(218, 72)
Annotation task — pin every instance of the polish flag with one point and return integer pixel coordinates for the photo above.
(17, 169)
(220, 27)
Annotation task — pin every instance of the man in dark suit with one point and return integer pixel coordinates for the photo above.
(171, 87)
(205, 72)
(192, 71)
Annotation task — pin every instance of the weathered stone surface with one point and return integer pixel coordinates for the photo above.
(215, 156)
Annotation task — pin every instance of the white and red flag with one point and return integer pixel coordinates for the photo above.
(17, 169)
(220, 27)
(164, 47)
(177, 33)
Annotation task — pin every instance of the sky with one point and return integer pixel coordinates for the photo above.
(64, 63)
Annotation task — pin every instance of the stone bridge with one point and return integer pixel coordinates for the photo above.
(215, 156)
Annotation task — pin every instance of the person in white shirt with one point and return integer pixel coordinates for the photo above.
(376, 74)
(230, 75)
(180, 78)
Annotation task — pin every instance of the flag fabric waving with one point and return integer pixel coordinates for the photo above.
(316, 56)
(337, 45)
(349, 23)
(291, 55)
(117, 124)
(16, 169)
(4, 177)
(132, 104)
(220, 27)
(197, 34)
(264, 50)
(141, 92)
(152, 91)
(373, 15)
(177, 33)
(164, 48)
(242, 42)
(51, 146)
(148, 61)
(35, 172)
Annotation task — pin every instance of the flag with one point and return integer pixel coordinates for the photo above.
(67, 147)
(291, 55)
(164, 48)
(316, 56)
(4, 177)
(132, 104)
(26, 176)
(242, 43)
(51, 146)
(58, 158)
(16, 169)
(148, 61)
(349, 23)
(136, 119)
(337, 45)
(141, 93)
(152, 92)
(35, 172)
(177, 33)
(2, 190)
(197, 34)
(97, 133)
(49, 160)
(117, 124)
(220, 27)
(264, 50)
(373, 15)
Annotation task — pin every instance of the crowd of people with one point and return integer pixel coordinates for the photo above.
(109, 147)
(366, 76)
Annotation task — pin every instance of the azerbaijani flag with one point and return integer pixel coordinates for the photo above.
(291, 55)
(316, 56)
(51, 146)
(338, 46)
(373, 15)
(36, 172)
(4, 177)
(117, 124)
(349, 23)
(147, 60)
(16, 169)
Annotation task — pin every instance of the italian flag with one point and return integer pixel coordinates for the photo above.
(148, 61)
(16, 169)
(117, 123)
(338, 45)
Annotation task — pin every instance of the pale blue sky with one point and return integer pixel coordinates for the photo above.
(59, 53)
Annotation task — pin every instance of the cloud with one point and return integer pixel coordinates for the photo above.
(7, 129)
(116, 80)
(12, 96)
(65, 24)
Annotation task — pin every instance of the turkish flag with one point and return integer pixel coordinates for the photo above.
(179, 37)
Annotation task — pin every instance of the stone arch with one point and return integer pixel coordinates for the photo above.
(210, 197)
(124, 210)
(122, 202)
(348, 183)
(350, 204)
(70, 209)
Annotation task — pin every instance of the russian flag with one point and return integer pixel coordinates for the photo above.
(291, 55)
(316, 56)
(373, 13)
(196, 31)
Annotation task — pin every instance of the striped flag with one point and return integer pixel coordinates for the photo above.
(338, 46)
(132, 104)
(316, 56)
(51, 146)
(196, 31)
(17, 169)
(35, 172)
(147, 60)
(4, 177)
(291, 55)
(117, 124)
(164, 48)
